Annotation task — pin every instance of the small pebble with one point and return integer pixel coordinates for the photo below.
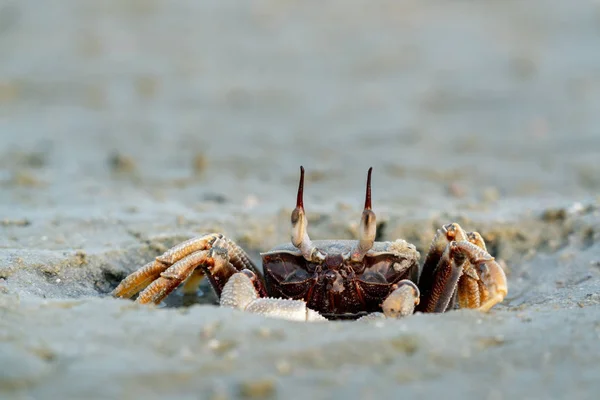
(26, 178)
(552, 215)
(199, 163)
(283, 367)
(456, 190)
(251, 201)
(490, 194)
(221, 346)
(257, 389)
(15, 222)
(121, 163)
(209, 330)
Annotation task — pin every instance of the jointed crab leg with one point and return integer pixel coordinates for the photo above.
(447, 273)
(458, 259)
(139, 280)
(471, 291)
(434, 255)
(213, 255)
(468, 291)
(237, 255)
(175, 275)
(492, 280)
(191, 284)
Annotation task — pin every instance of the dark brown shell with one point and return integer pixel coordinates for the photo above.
(338, 288)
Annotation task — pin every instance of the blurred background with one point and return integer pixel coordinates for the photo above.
(205, 110)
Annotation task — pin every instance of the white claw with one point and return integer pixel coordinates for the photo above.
(293, 310)
(312, 315)
(375, 316)
(239, 293)
(402, 301)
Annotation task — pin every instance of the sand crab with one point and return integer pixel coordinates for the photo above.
(330, 279)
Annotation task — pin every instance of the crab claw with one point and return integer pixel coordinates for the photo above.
(402, 300)
(368, 226)
(240, 293)
(300, 237)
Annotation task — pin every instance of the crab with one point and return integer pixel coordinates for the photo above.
(330, 279)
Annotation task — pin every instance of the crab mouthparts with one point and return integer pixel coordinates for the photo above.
(333, 261)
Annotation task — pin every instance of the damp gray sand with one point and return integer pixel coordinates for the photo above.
(128, 126)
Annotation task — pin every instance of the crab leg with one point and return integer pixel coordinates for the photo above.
(470, 290)
(481, 283)
(240, 292)
(492, 280)
(175, 275)
(191, 284)
(427, 275)
(218, 257)
(237, 255)
(467, 291)
(139, 280)
(447, 273)
(427, 278)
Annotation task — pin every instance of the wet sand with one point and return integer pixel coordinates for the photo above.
(128, 126)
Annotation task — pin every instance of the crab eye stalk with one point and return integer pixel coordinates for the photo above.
(300, 237)
(299, 222)
(368, 226)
